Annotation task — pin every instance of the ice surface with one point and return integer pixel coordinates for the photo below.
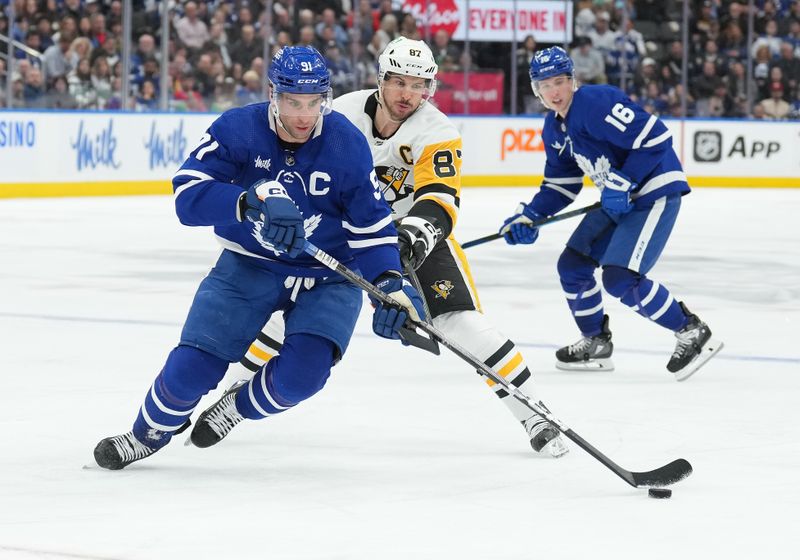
(403, 455)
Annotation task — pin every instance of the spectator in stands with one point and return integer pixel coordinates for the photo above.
(224, 96)
(109, 50)
(97, 32)
(387, 31)
(329, 20)
(365, 69)
(101, 81)
(58, 96)
(790, 66)
(761, 65)
(704, 85)
(736, 15)
(647, 74)
(151, 71)
(732, 43)
(248, 47)
(654, 99)
(590, 68)
(584, 18)
(308, 37)
(237, 21)
(57, 60)
(408, 27)
(251, 90)
(218, 42)
(603, 38)
(34, 90)
(769, 38)
(146, 99)
(367, 24)
(737, 87)
(340, 69)
(191, 30)
(80, 84)
(442, 47)
(775, 107)
(186, 96)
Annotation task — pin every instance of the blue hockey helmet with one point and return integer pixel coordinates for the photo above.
(299, 69)
(553, 61)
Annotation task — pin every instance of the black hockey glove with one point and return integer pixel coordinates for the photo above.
(416, 238)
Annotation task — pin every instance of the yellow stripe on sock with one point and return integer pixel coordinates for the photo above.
(259, 353)
(508, 368)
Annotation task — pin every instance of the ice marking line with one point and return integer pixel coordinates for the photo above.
(90, 319)
(720, 356)
(38, 553)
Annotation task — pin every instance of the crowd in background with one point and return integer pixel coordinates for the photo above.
(216, 52)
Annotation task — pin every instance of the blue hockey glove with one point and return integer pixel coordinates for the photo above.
(616, 194)
(282, 223)
(516, 229)
(388, 319)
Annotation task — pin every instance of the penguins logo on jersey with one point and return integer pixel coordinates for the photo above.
(442, 288)
(393, 182)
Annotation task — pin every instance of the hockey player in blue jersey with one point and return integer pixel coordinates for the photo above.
(627, 153)
(267, 176)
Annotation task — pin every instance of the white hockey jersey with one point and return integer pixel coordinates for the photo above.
(421, 161)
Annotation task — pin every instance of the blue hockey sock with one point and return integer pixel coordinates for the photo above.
(188, 374)
(301, 369)
(584, 298)
(648, 298)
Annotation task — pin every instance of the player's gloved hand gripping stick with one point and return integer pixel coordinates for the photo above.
(535, 224)
(663, 476)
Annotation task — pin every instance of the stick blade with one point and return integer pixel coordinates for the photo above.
(663, 476)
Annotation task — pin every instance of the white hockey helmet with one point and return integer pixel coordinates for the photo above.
(408, 57)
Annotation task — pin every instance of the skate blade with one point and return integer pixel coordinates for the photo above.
(555, 448)
(710, 350)
(602, 364)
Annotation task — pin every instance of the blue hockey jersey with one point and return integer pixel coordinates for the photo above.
(330, 178)
(605, 130)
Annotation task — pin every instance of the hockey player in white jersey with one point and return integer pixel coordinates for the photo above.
(598, 131)
(417, 156)
(267, 177)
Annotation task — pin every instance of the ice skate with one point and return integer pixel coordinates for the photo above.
(694, 347)
(118, 452)
(591, 353)
(217, 421)
(545, 439)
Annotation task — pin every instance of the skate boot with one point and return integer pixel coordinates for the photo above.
(118, 452)
(544, 437)
(218, 420)
(589, 353)
(694, 347)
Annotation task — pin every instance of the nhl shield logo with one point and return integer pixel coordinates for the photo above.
(707, 146)
(442, 288)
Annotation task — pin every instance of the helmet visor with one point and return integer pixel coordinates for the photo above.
(410, 84)
(302, 104)
(541, 87)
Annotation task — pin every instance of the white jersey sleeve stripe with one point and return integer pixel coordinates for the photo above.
(188, 185)
(377, 226)
(563, 180)
(391, 240)
(193, 173)
(569, 194)
(645, 131)
(659, 181)
(658, 139)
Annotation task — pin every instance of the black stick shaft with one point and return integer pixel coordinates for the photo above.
(537, 223)
(652, 478)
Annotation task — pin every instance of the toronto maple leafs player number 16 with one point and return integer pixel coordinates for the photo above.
(598, 131)
(267, 176)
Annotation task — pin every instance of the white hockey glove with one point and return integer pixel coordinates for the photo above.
(416, 238)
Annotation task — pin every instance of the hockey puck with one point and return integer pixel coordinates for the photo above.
(660, 493)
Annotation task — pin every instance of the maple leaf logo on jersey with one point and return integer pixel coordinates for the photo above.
(597, 171)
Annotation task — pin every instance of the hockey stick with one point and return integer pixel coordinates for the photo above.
(537, 223)
(663, 476)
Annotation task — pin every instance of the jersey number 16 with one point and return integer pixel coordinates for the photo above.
(620, 116)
